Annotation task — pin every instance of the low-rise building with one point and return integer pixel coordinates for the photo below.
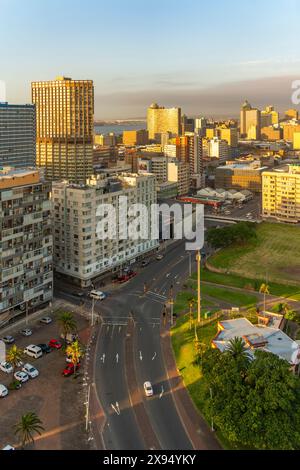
(26, 274)
(240, 176)
(258, 337)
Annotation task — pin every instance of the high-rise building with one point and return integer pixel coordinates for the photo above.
(79, 253)
(216, 148)
(250, 124)
(139, 137)
(281, 194)
(271, 133)
(296, 141)
(269, 117)
(179, 172)
(17, 135)
(230, 134)
(292, 114)
(187, 124)
(189, 149)
(65, 127)
(106, 140)
(26, 274)
(161, 120)
(289, 129)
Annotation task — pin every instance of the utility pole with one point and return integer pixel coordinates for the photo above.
(199, 285)
(190, 263)
(93, 308)
(26, 313)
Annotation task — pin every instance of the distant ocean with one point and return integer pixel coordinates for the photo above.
(119, 128)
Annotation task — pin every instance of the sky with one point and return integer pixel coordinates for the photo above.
(206, 57)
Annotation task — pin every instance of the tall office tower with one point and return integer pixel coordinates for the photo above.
(218, 148)
(79, 252)
(230, 134)
(281, 194)
(292, 114)
(179, 172)
(161, 120)
(65, 128)
(187, 124)
(26, 276)
(269, 117)
(17, 135)
(189, 149)
(200, 126)
(250, 122)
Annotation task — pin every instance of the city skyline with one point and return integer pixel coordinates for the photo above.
(139, 54)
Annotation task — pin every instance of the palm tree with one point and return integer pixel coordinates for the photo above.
(237, 349)
(29, 425)
(67, 323)
(264, 289)
(75, 352)
(14, 356)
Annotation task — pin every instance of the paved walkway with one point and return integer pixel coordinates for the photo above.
(196, 427)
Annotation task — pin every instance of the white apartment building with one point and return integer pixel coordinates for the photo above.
(26, 274)
(216, 148)
(79, 253)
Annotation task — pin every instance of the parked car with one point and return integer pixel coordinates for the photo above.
(26, 332)
(125, 277)
(8, 339)
(33, 351)
(70, 369)
(55, 344)
(8, 447)
(80, 294)
(45, 348)
(6, 367)
(30, 370)
(148, 389)
(98, 295)
(3, 392)
(159, 257)
(46, 320)
(21, 376)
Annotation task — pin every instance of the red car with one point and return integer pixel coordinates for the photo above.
(53, 343)
(126, 277)
(70, 369)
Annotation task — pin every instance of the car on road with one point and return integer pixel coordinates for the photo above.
(21, 376)
(55, 344)
(46, 320)
(8, 447)
(159, 257)
(26, 332)
(6, 367)
(70, 369)
(45, 348)
(148, 389)
(79, 294)
(30, 370)
(125, 277)
(145, 263)
(98, 295)
(33, 351)
(8, 339)
(3, 393)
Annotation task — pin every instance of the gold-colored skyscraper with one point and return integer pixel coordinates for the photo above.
(64, 127)
(161, 120)
(250, 124)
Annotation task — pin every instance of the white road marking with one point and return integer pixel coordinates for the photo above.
(115, 408)
(141, 357)
(161, 393)
(102, 359)
(154, 356)
(117, 358)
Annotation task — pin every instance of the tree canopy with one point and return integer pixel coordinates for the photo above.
(240, 233)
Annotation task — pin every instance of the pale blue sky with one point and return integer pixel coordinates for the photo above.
(172, 51)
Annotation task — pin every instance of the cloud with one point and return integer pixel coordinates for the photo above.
(219, 100)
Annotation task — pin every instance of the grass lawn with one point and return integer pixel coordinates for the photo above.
(236, 299)
(275, 253)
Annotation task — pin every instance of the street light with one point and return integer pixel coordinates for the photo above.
(199, 285)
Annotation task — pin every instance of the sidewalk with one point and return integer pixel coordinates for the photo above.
(196, 427)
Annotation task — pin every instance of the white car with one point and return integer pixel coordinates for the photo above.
(159, 257)
(21, 376)
(8, 447)
(26, 332)
(3, 391)
(30, 370)
(46, 320)
(6, 367)
(97, 294)
(148, 389)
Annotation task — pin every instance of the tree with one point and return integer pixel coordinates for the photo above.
(67, 323)
(238, 350)
(264, 289)
(75, 352)
(14, 356)
(29, 425)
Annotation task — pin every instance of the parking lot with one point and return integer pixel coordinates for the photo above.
(58, 401)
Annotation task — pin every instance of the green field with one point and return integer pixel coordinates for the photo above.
(275, 254)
